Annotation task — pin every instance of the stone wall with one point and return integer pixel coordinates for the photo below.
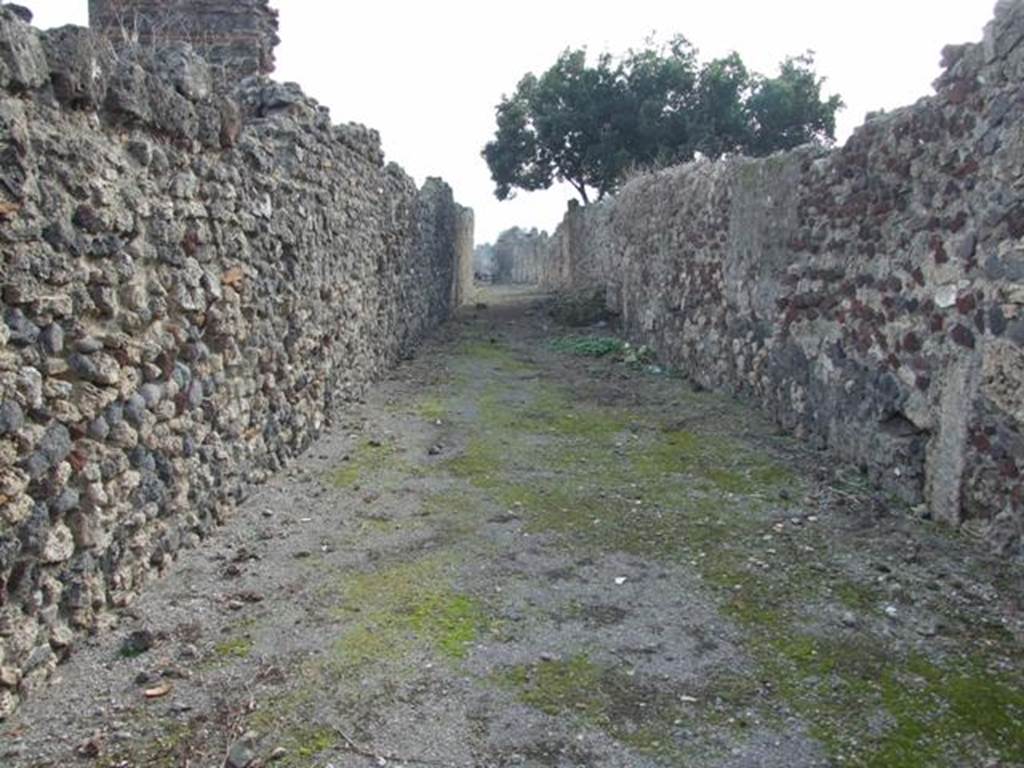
(464, 257)
(871, 297)
(237, 37)
(192, 284)
(518, 256)
(483, 262)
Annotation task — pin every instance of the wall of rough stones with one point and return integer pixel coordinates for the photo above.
(192, 283)
(518, 256)
(237, 36)
(483, 262)
(871, 297)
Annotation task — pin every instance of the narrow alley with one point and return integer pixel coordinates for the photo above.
(534, 547)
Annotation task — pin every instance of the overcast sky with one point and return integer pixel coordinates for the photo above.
(427, 75)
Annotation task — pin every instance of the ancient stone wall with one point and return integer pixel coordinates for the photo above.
(871, 298)
(483, 261)
(464, 257)
(192, 284)
(236, 36)
(518, 256)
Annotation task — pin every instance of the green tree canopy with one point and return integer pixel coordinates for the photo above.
(587, 123)
(787, 111)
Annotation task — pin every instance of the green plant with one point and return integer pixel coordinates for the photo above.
(588, 123)
(590, 346)
(638, 356)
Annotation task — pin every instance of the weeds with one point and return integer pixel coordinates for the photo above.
(590, 346)
(606, 347)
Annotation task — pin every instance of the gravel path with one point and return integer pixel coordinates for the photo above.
(515, 553)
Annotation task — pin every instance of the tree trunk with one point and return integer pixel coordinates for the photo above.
(582, 189)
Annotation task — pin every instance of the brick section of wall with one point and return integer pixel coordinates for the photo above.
(871, 298)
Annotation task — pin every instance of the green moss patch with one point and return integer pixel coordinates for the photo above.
(373, 459)
(454, 513)
(432, 408)
(492, 353)
(171, 749)
(873, 708)
(650, 717)
(369, 456)
(301, 742)
(614, 479)
(645, 717)
(715, 462)
(394, 610)
(578, 469)
(237, 648)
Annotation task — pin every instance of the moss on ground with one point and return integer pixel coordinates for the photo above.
(650, 717)
(576, 468)
(454, 513)
(645, 717)
(373, 460)
(234, 648)
(584, 471)
(310, 743)
(390, 611)
(714, 462)
(856, 596)
(170, 749)
(611, 478)
(369, 456)
(870, 707)
(432, 408)
(496, 355)
(391, 617)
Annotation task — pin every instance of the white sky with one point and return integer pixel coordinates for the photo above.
(427, 75)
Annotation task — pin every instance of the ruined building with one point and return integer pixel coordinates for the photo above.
(236, 37)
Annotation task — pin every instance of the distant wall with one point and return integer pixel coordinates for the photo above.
(518, 256)
(237, 37)
(192, 284)
(871, 298)
(483, 261)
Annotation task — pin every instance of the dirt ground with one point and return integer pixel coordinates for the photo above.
(534, 547)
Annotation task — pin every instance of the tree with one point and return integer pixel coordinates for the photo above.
(562, 126)
(721, 117)
(660, 83)
(787, 111)
(587, 125)
(515, 157)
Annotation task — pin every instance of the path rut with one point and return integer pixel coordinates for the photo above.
(514, 553)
